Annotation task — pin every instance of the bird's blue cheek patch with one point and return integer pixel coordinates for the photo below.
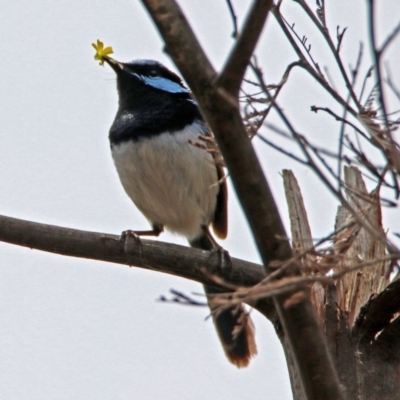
(158, 82)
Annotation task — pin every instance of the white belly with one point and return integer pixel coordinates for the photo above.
(172, 182)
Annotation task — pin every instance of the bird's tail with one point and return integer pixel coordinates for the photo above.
(234, 326)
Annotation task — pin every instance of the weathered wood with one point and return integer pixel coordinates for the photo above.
(302, 241)
(359, 312)
(355, 288)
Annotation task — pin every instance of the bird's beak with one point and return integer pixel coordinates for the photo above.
(114, 64)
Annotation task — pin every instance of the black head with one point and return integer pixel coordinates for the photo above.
(152, 100)
(139, 78)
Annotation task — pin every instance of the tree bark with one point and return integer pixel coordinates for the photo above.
(358, 313)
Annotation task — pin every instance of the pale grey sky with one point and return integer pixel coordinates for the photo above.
(80, 329)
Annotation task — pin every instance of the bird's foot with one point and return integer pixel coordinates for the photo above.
(224, 259)
(130, 239)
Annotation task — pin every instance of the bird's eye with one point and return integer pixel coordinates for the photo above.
(153, 72)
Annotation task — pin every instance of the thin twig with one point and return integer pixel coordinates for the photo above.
(235, 31)
(300, 141)
(181, 298)
(307, 67)
(342, 125)
(232, 74)
(392, 150)
(282, 150)
(270, 288)
(341, 119)
(389, 39)
(325, 33)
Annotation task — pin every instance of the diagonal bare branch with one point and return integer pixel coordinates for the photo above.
(233, 73)
(221, 111)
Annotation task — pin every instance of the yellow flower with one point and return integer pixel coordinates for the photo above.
(101, 52)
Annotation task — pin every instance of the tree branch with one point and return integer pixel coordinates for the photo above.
(392, 149)
(147, 254)
(335, 51)
(221, 111)
(306, 65)
(233, 73)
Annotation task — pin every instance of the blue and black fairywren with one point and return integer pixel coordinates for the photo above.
(175, 184)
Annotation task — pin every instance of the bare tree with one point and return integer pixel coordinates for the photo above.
(334, 306)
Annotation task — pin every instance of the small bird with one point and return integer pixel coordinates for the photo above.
(174, 183)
